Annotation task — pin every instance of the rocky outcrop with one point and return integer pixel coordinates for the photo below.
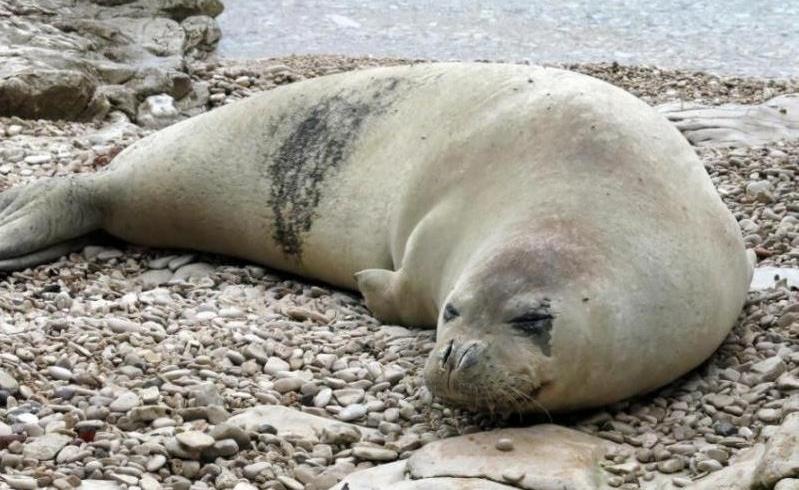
(78, 60)
(736, 125)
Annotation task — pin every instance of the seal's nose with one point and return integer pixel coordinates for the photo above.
(456, 355)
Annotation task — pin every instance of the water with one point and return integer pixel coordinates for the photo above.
(738, 37)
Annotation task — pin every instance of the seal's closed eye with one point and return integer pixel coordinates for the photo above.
(450, 313)
(533, 321)
(537, 324)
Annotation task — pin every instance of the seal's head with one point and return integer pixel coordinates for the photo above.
(497, 346)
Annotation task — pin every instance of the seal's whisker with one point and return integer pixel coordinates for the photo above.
(518, 399)
(540, 405)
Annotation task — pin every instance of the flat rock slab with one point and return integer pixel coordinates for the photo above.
(385, 476)
(768, 277)
(544, 457)
(734, 125)
(781, 458)
(287, 421)
(99, 485)
(448, 484)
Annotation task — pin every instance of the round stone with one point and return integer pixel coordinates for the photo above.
(504, 444)
(349, 396)
(226, 448)
(709, 465)
(8, 382)
(724, 428)
(194, 439)
(156, 462)
(352, 412)
(671, 465)
(266, 428)
(769, 415)
(370, 453)
(340, 434)
(323, 397)
(125, 402)
(513, 475)
(275, 365)
(60, 373)
(285, 385)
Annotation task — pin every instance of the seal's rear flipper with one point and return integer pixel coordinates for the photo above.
(40, 221)
(44, 255)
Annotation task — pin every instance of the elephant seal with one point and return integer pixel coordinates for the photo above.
(563, 236)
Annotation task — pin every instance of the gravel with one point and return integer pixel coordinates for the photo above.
(653, 84)
(107, 370)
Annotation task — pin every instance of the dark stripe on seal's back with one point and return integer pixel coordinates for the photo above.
(313, 150)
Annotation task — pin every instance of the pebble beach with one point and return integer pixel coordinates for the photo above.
(126, 367)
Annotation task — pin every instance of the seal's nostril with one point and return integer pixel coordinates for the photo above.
(470, 356)
(446, 352)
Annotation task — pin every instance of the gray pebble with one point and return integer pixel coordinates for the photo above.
(709, 465)
(371, 453)
(352, 412)
(671, 465)
(504, 444)
(60, 373)
(195, 440)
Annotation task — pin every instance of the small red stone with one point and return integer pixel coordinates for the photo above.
(87, 435)
(762, 252)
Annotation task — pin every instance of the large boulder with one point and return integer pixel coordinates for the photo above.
(57, 55)
(541, 457)
(47, 93)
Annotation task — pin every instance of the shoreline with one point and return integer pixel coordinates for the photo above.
(738, 36)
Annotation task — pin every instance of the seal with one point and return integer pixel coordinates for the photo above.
(562, 235)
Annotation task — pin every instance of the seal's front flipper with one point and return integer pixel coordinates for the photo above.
(41, 219)
(392, 299)
(379, 288)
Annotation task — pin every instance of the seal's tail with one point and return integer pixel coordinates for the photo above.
(45, 220)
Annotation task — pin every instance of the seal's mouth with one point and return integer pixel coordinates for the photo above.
(466, 375)
(496, 397)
